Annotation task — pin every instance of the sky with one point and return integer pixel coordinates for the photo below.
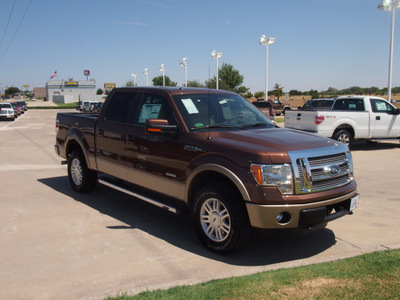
(318, 43)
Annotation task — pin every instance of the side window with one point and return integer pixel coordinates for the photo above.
(154, 107)
(380, 106)
(120, 107)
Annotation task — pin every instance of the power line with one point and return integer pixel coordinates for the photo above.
(16, 31)
(8, 23)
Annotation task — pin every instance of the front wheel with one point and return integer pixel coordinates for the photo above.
(343, 136)
(221, 222)
(81, 178)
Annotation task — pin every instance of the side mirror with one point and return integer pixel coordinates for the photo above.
(397, 111)
(160, 127)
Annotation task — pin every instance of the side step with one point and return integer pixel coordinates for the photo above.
(141, 197)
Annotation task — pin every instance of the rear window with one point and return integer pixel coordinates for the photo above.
(351, 104)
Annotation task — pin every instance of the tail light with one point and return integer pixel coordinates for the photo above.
(319, 119)
(57, 126)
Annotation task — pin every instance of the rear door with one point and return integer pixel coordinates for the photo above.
(384, 124)
(111, 134)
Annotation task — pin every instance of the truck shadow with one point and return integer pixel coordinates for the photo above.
(372, 146)
(178, 230)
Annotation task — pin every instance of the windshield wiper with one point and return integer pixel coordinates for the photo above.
(255, 125)
(211, 126)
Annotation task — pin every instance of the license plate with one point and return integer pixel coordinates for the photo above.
(354, 203)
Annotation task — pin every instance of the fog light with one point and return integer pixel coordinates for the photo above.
(283, 217)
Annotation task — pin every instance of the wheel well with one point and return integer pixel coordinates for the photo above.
(344, 127)
(71, 147)
(208, 178)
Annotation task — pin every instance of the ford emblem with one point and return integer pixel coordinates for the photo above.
(334, 169)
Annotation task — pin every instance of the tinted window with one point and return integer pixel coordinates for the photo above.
(351, 104)
(121, 105)
(262, 104)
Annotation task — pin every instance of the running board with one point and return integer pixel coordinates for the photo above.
(141, 197)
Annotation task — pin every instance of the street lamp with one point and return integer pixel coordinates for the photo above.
(216, 55)
(184, 64)
(390, 5)
(146, 72)
(162, 69)
(265, 41)
(134, 78)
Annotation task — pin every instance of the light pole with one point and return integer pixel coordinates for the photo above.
(184, 64)
(216, 55)
(146, 72)
(390, 5)
(134, 79)
(265, 41)
(162, 69)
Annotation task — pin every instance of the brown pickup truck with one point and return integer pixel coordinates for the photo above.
(212, 153)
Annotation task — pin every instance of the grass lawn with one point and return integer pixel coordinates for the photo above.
(370, 276)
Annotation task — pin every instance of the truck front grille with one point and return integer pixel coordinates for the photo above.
(315, 172)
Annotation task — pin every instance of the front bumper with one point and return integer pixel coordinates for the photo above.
(299, 215)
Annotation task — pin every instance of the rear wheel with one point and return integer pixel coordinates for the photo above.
(80, 177)
(220, 220)
(343, 136)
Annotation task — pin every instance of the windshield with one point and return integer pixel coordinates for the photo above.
(219, 111)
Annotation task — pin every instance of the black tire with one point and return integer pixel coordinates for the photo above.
(343, 136)
(82, 179)
(221, 221)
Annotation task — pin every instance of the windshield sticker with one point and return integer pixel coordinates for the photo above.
(190, 107)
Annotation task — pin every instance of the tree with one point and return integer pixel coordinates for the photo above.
(130, 83)
(278, 90)
(295, 93)
(259, 94)
(11, 91)
(158, 81)
(212, 84)
(99, 92)
(195, 83)
(230, 76)
(248, 95)
(314, 94)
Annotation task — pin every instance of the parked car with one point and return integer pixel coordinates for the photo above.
(96, 107)
(351, 118)
(265, 107)
(318, 104)
(22, 105)
(278, 106)
(7, 111)
(16, 108)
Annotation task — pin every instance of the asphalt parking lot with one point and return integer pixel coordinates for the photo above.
(56, 244)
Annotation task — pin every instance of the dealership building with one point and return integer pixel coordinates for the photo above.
(60, 91)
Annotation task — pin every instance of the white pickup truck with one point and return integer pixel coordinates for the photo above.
(351, 117)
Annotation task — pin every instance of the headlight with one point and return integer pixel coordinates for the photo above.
(277, 175)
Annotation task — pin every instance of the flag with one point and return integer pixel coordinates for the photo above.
(53, 75)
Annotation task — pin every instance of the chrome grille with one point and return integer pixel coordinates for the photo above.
(322, 169)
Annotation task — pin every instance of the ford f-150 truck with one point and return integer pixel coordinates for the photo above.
(351, 117)
(210, 153)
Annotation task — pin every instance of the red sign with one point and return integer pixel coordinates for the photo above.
(86, 72)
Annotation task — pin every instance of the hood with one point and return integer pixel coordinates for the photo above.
(270, 140)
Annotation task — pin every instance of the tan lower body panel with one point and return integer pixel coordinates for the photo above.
(264, 216)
